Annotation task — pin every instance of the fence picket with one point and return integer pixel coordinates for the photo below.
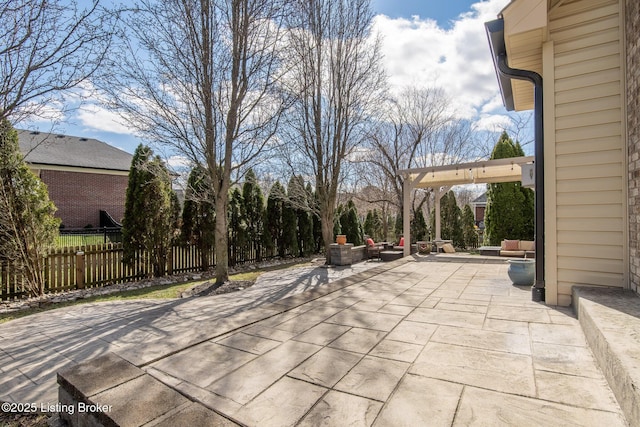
(103, 264)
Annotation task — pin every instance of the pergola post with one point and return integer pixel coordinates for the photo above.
(406, 217)
(440, 191)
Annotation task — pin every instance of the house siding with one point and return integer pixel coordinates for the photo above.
(632, 26)
(79, 196)
(589, 215)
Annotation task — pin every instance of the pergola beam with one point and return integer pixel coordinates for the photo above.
(442, 178)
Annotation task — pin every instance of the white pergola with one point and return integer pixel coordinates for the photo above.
(442, 178)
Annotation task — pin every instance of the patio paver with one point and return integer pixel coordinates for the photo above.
(459, 354)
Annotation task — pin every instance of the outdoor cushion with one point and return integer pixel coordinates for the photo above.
(401, 242)
(370, 242)
(527, 245)
(511, 245)
(448, 248)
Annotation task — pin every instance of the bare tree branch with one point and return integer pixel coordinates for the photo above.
(49, 48)
(203, 78)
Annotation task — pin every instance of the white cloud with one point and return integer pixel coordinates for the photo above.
(179, 162)
(418, 51)
(494, 122)
(97, 117)
(493, 104)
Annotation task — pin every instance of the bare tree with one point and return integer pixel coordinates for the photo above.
(201, 78)
(415, 129)
(48, 47)
(336, 77)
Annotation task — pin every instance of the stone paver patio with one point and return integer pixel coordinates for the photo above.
(412, 342)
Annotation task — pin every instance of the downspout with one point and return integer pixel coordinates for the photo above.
(537, 291)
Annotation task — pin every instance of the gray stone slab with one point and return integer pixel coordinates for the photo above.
(409, 299)
(138, 401)
(271, 333)
(583, 392)
(478, 338)
(522, 314)
(507, 372)
(373, 378)
(447, 317)
(478, 407)
(358, 340)
(249, 343)
(267, 409)
(397, 350)
(368, 305)
(611, 320)
(192, 414)
(204, 363)
(470, 308)
(420, 401)
(322, 334)
(337, 409)
(301, 323)
(43, 392)
(412, 332)
(98, 374)
(401, 310)
(12, 382)
(508, 326)
(256, 376)
(326, 367)
(211, 400)
(558, 334)
(567, 359)
(368, 320)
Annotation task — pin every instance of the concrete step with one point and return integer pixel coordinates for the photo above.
(610, 319)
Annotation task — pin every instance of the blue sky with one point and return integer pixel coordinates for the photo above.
(442, 11)
(425, 43)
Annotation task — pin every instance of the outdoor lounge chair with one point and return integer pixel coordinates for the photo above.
(373, 249)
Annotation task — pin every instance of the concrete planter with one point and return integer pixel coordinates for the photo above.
(522, 271)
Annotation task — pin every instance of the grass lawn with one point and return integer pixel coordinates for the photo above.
(154, 292)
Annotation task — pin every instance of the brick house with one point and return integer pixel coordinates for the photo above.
(84, 176)
(479, 207)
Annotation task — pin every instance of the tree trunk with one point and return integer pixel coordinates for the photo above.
(222, 256)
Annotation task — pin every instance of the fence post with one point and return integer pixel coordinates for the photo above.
(80, 270)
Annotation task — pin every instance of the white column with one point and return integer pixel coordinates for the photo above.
(406, 225)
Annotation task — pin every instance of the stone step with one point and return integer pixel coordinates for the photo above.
(610, 319)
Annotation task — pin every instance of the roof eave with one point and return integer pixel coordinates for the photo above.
(495, 34)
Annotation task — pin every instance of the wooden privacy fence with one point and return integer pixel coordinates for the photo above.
(96, 265)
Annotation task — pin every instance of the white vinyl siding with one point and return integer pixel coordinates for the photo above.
(590, 157)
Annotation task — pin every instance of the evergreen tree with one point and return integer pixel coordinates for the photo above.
(378, 226)
(418, 226)
(510, 207)
(237, 228)
(302, 201)
(254, 214)
(469, 229)
(315, 218)
(27, 223)
(398, 226)
(368, 226)
(373, 226)
(199, 215)
(451, 220)
(350, 224)
(147, 227)
(274, 217)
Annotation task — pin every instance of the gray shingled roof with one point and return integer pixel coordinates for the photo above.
(481, 199)
(62, 150)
